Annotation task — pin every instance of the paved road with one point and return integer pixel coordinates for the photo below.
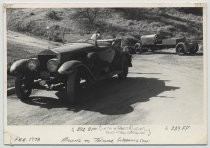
(161, 88)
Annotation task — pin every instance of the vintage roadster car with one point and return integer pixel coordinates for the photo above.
(155, 42)
(73, 66)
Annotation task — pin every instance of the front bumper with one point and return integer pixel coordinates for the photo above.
(48, 81)
(47, 85)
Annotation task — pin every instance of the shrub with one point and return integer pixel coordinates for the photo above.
(129, 22)
(166, 32)
(53, 15)
(54, 33)
(32, 13)
(25, 26)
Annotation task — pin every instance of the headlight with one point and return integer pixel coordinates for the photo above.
(52, 65)
(33, 63)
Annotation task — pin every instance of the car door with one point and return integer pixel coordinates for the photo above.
(107, 54)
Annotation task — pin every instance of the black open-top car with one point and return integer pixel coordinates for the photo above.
(72, 66)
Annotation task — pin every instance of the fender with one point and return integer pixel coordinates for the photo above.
(18, 66)
(70, 66)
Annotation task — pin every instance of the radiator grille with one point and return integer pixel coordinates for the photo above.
(43, 59)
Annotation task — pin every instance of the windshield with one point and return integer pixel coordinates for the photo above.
(100, 43)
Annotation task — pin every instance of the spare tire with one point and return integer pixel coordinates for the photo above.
(138, 47)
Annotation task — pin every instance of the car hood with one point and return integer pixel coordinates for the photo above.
(68, 48)
(72, 47)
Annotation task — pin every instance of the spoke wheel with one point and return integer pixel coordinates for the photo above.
(23, 87)
(180, 48)
(194, 48)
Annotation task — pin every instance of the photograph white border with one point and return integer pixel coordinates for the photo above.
(199, 132)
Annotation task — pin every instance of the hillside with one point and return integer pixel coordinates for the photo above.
(72, 24)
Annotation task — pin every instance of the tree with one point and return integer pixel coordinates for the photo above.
(92, 15)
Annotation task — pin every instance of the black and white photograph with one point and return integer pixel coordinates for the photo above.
(106, 66)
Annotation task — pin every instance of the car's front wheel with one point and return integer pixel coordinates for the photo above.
(23, 87)
(124, 68)
(72, 85)
(181, 48)
(76, 84)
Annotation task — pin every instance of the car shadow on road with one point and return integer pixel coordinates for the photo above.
(109, 97)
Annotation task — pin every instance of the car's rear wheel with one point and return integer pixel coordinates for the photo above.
(124, 68)
(23, 87)
(194, 48)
